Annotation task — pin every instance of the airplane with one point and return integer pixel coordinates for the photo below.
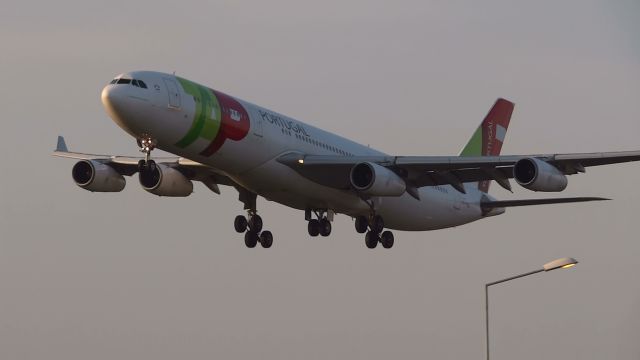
(222, 140)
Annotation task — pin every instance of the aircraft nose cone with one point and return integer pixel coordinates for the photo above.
(112, 97)
(117, 104)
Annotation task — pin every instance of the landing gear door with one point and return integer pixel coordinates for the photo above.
(174, 93)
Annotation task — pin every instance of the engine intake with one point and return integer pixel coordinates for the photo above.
(376, 180)
(97, 177)
(538, 175)
(162, 180)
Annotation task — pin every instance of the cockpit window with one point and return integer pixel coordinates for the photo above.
(134, 82)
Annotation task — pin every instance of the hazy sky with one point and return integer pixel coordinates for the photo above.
(133, 276)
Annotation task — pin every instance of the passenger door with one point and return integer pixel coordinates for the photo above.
(256, 122)
(174, 93)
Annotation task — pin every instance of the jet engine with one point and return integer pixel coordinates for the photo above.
(162, 180)
(95, 176)
(376, 180)
(538, 175)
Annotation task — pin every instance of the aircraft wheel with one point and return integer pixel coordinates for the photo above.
(377, 224)
(387, 239)
(313, 227)
(266, 239)
(255, 223)
(325, 227)
(361, 224)
(251, 239)
(371, 239)
(240, 224)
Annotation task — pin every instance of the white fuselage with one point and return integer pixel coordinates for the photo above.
(165, 111)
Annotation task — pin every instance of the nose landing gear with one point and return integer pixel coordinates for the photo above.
(146, 145)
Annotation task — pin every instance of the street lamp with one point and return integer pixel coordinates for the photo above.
(562, 263)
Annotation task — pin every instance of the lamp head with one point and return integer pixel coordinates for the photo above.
(563, 263)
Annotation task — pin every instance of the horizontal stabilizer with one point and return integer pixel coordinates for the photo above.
(488, 205)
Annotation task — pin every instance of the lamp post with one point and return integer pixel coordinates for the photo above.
(562, 263)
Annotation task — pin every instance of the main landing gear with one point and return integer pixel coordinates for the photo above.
(320, 226)
(252, 229)
(251, 225)
(374, 226)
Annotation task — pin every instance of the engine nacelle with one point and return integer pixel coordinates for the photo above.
(538, 175)
(163, 180)
(376, 180)
(95, 176)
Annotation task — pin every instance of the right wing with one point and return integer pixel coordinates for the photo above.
(127, 165)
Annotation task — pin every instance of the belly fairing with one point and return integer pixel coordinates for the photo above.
(277, 182)
(434, 210)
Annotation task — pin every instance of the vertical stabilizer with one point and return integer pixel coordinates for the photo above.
(488, 138)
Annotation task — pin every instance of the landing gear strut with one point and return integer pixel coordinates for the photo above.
(320, 226)
(146, 145)
(375, 234)
(251, 225)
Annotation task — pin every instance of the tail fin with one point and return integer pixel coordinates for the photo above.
(488, 138)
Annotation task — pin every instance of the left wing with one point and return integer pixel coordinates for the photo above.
(419, 171)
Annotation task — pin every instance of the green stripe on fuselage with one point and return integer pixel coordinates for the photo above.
(207, 116)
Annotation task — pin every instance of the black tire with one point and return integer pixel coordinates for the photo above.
(251, 239)
(362, 224)
(377, 224)
(325, 227)
(313, 227)
(240, 224)
(266, 239)
(387, 239)
(255, 223)
(371, 239)
(141, 165)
